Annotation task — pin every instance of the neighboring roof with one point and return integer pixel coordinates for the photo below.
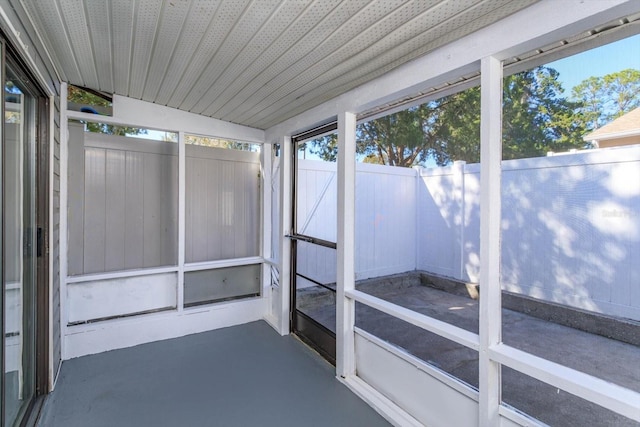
(252, 62)
(625, 125)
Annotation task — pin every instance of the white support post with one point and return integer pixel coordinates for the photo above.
(458, 185)
(265, 219)
(285, 228)
(345, 307)
(182, 186)
(490, 187)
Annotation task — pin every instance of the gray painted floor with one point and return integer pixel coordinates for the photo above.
(246, 375)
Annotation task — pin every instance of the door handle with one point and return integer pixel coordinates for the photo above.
(300, 238)
(39, 242)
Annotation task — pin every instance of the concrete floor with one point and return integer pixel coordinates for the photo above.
(602, 357)
(245, 375)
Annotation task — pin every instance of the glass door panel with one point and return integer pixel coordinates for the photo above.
(19, 245)
(316, 283)
(313, 312)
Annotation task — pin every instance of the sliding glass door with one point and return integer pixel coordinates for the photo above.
(19, 243)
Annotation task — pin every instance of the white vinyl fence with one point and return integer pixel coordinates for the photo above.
(385, 218)
(571, 225)
(123, 225)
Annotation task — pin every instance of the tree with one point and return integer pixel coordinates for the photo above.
(325, 147)
(83, 97)
(404, 138)
(536, 119)
(207, 141)
(603, 99)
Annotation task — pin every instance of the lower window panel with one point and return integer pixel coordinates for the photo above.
(221, 284)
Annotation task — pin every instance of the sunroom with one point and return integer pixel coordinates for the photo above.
(310, 212)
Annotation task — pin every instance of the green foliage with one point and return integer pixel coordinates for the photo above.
(325, 147)
(404, 138)
(207, 141)
(604, 99)
(537, 118)
(77, 95)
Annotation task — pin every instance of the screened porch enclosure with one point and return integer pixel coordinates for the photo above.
(411, 190)
(164, 229)
(123, 216)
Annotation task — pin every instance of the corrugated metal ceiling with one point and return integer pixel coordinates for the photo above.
(252, 62)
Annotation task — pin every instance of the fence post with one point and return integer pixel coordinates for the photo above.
(418, 222)
(458, 195)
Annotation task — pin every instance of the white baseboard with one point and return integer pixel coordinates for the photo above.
(92, 338)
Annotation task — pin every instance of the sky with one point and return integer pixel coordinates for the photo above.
(598, 62)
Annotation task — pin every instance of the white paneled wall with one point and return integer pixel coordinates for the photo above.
(449, 221)
(385, 219)
(316, 195)
(123, 217)
(222, 204)
(123, 203)
(570, 227)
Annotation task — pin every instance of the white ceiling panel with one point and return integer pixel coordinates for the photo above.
(75, 23)
(282, 18)
(253, 62)
(167, 38)
(236, 42)
(99, 16)
(121, 31)
(199, 20)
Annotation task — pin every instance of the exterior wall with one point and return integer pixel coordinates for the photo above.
(618, 142)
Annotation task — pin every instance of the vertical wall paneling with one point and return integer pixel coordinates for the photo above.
(75, 191)
(152, 209)
(116, 213)
(222, 204)
(134, 220)
(94, 210)
(123, 203)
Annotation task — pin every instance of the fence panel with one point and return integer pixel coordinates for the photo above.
(571, 228)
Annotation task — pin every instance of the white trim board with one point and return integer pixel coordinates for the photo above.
(98, 337)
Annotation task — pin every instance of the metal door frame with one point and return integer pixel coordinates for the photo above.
(41, 222)
(314, 334)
